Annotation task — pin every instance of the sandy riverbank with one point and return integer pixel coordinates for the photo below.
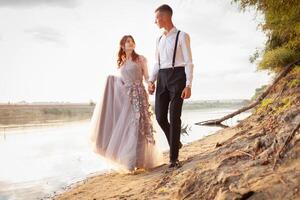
(210, 171)
(118, 186)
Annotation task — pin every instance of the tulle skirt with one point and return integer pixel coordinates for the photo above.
(121, 126)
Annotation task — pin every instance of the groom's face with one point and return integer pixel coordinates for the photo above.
(159, 19)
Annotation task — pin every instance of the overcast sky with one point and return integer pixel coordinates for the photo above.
(62, 50)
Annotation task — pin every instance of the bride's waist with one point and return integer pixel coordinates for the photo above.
(133, 83)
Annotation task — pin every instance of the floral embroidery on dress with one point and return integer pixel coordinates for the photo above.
(141, 108)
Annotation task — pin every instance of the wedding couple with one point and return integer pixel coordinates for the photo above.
(122, 130)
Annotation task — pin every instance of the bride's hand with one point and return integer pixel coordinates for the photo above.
(151, 88)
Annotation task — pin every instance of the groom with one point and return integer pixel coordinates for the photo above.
(173, 71)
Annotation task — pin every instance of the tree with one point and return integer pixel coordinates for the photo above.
(282, 49)
(282, 26)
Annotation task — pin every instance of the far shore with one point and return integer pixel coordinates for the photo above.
(33, 115)
(13, 128)
(23, 115)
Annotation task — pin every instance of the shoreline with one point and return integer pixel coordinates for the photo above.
(194, 134)
(188, 152)
(219, 166)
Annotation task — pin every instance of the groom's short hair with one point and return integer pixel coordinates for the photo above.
(165, 8)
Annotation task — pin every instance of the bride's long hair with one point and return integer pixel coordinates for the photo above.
(122, 55)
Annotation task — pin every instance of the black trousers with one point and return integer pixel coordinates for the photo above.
(170, 84)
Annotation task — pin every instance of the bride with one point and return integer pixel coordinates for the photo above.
(121, 126)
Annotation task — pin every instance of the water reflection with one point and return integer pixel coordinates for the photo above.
(38, 161)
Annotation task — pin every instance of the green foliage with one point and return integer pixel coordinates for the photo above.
(259, 91)
(276, 58)
(264, 104)
(276, 106)
(294, 83)
(285, 104)
(296, 70)
(282, 26)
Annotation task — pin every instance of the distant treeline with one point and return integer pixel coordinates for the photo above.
(20, 114)
(196, 105)
(12, 114)
(212, 104)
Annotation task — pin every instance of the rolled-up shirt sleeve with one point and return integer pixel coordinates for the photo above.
(187, 56)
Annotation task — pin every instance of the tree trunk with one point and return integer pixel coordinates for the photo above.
(284, 72)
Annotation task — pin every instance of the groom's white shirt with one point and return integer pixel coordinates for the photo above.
(165, 48)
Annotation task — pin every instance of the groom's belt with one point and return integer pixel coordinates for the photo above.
(172, 68)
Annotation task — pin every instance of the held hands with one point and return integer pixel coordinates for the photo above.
(151, 88)
(186, 93)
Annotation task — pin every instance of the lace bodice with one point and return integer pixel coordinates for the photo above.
(134, 72)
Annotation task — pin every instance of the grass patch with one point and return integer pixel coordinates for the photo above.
(266, 103)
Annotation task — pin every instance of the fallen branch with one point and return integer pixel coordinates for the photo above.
(253, 104)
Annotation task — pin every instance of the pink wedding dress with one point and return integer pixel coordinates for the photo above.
(121, 126)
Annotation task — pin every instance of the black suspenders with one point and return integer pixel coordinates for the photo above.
(175, 48)
(174, 53)
(158, 51)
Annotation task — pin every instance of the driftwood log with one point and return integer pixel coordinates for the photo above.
(257, 101)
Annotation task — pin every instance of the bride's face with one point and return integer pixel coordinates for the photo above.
(129, 44)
